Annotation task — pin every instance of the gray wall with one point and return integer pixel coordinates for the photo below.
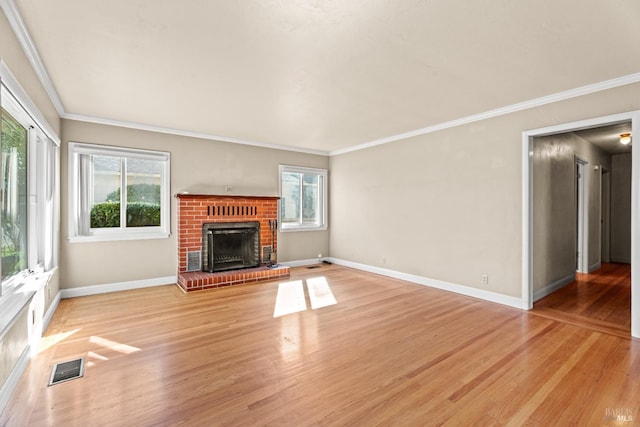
(15, 338)
(554, 205)
(621, 208)
(196, 165)
(447, 205)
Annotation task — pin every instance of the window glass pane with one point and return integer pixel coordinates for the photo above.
(14, 203)
(310, 201)
(118, 193)
(290, 203)
(106, 179)
(143, 192)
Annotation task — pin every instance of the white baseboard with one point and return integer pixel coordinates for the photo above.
(594, 267)
(14, 377)
(554, 286)
(302, 262)
(114, 287)
(433, 283)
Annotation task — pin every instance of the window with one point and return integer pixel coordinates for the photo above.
(117, 193)
(28, 194)
(303, 198)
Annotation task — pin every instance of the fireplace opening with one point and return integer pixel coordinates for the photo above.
(230, 246)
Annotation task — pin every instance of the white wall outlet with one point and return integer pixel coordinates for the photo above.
(484, 279)
(319, 255)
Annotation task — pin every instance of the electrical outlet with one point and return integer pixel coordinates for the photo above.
(484, 279)
(319, 255)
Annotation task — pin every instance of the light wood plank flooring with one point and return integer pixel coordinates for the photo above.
(600, 301)
(387, 353)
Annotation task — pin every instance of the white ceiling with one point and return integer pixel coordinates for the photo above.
(326, 74)
(607, 138)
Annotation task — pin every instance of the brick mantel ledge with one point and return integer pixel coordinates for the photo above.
(225, 196)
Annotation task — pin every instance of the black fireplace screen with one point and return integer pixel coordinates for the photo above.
(230, 246)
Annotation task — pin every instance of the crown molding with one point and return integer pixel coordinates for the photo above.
(532, 103)
(28, 46)
(191, 134)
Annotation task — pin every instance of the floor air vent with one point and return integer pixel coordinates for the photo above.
(67, 371)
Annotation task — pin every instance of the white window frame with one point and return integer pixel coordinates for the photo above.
(80, 186)
(322, 223)
(42, 195)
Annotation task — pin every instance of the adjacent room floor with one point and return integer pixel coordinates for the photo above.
(600, 301)
(331, 346)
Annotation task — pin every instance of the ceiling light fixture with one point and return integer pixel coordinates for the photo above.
(625, 138)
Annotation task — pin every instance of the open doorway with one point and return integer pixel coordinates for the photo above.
(562, 259)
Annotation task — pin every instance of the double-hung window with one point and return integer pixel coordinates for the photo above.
(28, 191)
(303, 198)
(117, 193)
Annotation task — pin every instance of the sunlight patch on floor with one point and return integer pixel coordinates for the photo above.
(320, 293)
(290, 298)
(51, 340)
(95, 356)
(112, 345)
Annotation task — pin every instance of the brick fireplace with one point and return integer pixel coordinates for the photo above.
(198, 212)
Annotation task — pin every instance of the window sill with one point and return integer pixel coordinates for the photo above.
(292, 229)
(116, 237)
(12, 304)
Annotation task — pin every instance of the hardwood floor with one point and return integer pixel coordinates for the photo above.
(600, 301)
(386, 353)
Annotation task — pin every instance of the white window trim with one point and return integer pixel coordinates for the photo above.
(76, 234)
(35, 179)
(17, 291)
(323, 173)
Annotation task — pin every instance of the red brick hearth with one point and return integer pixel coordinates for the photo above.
(196, 209)
(198, 280)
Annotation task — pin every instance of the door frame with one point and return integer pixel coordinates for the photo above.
(605, 215)
(582, 214)
(527, 206)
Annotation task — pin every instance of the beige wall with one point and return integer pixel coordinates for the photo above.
(554, 205)
(621, 208)
(12, 55)
(447, 205)
(196, 165)
(14, 339)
